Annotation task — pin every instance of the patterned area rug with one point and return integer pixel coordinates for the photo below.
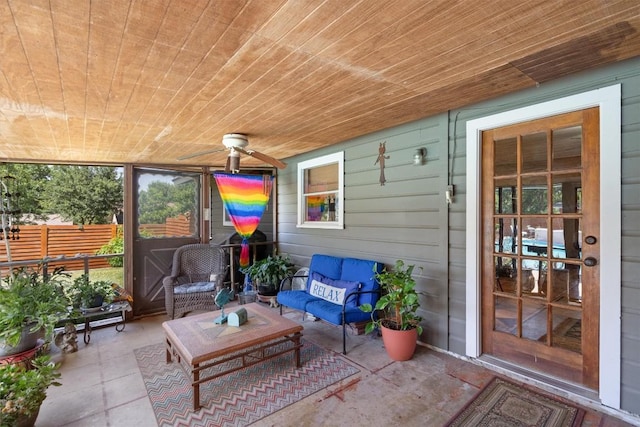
(503, 403)
(242, 397)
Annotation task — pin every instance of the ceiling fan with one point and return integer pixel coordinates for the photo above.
(237, 143)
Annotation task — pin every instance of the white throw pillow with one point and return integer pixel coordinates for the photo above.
(327, 293)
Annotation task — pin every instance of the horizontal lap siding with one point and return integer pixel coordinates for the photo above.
(628, 75)
(631, 242)
(403, 219)
(408, 219)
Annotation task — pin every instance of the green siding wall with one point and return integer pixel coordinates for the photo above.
(404, 219)
(628, 75)
(408, 217)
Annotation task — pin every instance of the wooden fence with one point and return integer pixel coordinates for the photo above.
(179, 226)
(52, 241)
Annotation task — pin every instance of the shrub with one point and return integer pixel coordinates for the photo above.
(115, 246)
(23, 390)
(28, 297)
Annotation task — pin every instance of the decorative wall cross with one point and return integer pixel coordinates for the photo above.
(380, 160)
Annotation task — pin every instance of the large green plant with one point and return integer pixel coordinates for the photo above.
(269, 271)
(114, 246)
(27, 297)
(83, 292)
(23, 390)
(399, 301)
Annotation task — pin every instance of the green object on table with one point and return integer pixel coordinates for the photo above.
(222, 297)
(238, 317)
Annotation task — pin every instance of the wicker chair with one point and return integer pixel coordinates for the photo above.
(197, 271)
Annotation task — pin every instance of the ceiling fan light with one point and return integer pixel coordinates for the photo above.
(230, 140)
(234, 161)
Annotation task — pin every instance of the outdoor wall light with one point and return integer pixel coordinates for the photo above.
(419, 158)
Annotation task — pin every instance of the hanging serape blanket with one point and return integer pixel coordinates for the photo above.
(245, 197)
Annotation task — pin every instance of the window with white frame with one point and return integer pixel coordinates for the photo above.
(321, 192)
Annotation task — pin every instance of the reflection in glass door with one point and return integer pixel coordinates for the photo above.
(534, 306)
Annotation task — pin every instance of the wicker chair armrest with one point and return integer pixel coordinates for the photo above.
(169, 282)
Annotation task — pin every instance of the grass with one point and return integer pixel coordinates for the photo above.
(111, 274)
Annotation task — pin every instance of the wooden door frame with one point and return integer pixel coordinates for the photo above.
(130, 217)
(608, 99)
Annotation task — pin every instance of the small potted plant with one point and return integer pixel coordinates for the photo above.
(395, 312)
(30, 305)
(23, 389)
(86, 294)
(267, 273)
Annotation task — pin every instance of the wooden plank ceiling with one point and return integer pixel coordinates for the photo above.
(149, 81)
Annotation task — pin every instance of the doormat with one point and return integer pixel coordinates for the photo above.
(503, 403)
(567, 335)
(242, 397)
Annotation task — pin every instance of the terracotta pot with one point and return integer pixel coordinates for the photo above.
(400, 345)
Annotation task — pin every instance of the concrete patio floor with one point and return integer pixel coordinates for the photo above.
(102, 385)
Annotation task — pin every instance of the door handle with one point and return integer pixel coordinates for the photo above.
(590, 261)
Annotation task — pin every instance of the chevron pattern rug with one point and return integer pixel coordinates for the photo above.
(242, 397)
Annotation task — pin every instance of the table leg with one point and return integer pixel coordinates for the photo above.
(196, 388)
(121, 325)
(87, 331)
(296, 342)
(168, 351)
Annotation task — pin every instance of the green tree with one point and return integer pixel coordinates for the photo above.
(163, 200)
(84, 194)
(27, 182)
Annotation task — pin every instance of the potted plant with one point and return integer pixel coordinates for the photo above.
(23, 389)
(86, 294)
(30, 306)
(395, 312)
(267, 273)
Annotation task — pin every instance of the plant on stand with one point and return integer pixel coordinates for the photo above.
(85, 294)
(23, 389)
(268, 273)
(395, 312)
(30, 306)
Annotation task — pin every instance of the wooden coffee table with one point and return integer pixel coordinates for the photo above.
(197, 343)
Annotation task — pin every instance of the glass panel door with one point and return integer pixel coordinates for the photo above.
(534, 292)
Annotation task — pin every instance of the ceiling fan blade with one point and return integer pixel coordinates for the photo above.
(201, 153)
(261, 156)
(227, 167)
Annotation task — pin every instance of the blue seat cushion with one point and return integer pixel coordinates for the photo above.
(189, 288)
(333, 313)
(297, 299)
